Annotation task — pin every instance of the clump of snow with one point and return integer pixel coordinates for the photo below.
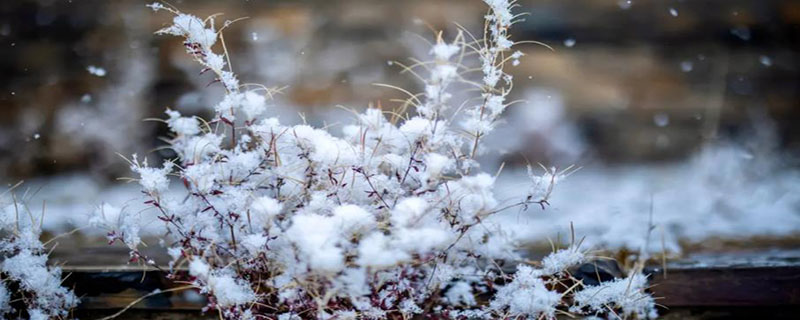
(376, 251)
(562, 259)
(626, 295)
(253, 104)
(527, 296)
(316, 238)
(444, 51)
(266, 207)
(229, 291)
(153, 180)
(199, 268)
(182, 125)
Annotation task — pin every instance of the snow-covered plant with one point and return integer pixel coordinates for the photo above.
(27, 285)
(626, 295)
(387, 220)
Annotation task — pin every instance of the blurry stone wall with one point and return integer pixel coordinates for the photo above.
(640, 80)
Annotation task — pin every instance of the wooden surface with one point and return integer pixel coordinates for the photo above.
(743, 285)
(720, 286)
(742, 279)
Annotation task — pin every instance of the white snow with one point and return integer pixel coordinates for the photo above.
(187, 126)
(562, 259)
(627, 294)
(229, 291)
(97, 71)
(527, 295)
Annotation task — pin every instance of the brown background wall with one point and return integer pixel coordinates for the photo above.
(627, 66)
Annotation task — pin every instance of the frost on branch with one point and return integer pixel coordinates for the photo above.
(389, 219)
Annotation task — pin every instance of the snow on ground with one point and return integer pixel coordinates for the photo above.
(68, 201)
(723, 192)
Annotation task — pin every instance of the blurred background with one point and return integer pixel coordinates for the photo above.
(683, 114)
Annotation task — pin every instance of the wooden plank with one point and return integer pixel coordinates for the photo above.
(701, 286)
(144, 314)
(681, 287)
(741, 279)
(727, 286)
(101, 289)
